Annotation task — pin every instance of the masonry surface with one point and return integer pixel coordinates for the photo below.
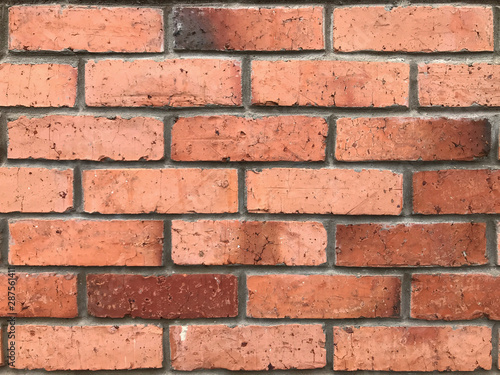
(287, 187)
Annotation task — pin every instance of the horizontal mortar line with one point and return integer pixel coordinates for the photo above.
(258, 270)
(339, 219)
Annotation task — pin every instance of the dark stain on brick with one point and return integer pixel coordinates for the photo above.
(167, 297)
(193, 29)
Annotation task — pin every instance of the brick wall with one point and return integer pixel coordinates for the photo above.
(250, 186)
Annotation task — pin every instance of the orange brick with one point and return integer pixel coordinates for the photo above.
(249, 29)
(85, 137)
(455, 296)
(35, 190)
(224, 242)
(411, 245)
(330, 83)
(458, 85)
(84, 28)
(37, 85)
(324, 191)
(231, 138)
(86, 243)
(160, 190)
(411, 139)
(413, 28)
(176, 83)
(412, 348)
(250, 348)
(39, 295)
(89, 348)
(323, 296)
(456, 191)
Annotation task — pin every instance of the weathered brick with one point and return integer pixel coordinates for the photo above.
(177, 190)
(86, 243)
(323, 296)
(39, 295)
(35, 189)
(85, 137)
(167, 297)
(337, 191)
(413, 28)
(330, 83)
(224, 242)
(455, 296)
(176, 83)
(248, 29)
(456, 191)
(397, 138)
(37, 85)
(412, 348)
(88, 347)
(459, 85)
(84, 28)
(251, 348)
(231, 138)
(411, 245)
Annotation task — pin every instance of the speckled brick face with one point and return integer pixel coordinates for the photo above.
(286, 187)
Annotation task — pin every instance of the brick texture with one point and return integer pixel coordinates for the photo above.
(35, 189)
(39, 295)
(250, 348)
(86, 243)
(249, 29)
(248, 242)
(376, 28)
(168, 297)
(88, 348)
(337, 191)
(455, 296)
(395, 138)
(57, 28)
(85, 137)
(411, 245)
(323, 297)
(176, 83)
(330, 83)
(230, 138)
(163, 191)
(435, 348)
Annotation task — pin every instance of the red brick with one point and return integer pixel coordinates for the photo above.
(88, 348)
(231, 138)
(39, 295)
(413, 29)
(411, 139)
(456, 191)
(323, 296)
(85, 137)
(455, 297)
(37, 85)
(249, 29)
(411, 245)
(412, 348)
(325, 191)
(35, 190)
(223, 242)
(162, 297)
(498, 241)
(84, 28)
(86, 243)
(330, 83)
(176, 83)
(458, 85)
(250, 348)
(177, 190)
